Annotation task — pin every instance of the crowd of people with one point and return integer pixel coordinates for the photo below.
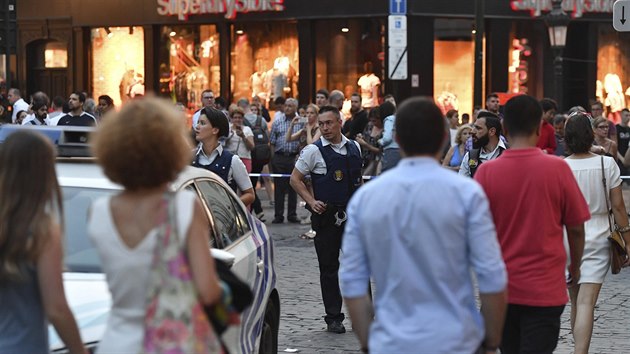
(515, 195)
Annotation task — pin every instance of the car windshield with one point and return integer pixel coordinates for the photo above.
(80, 254)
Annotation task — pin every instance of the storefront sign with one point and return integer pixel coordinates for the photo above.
(184, 8)
(574, 7)
(519, 68)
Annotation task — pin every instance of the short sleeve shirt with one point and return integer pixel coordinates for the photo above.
(311, 159)
(236, 145)
(532, 197)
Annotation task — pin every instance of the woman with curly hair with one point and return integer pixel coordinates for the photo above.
(143, 148)
(31, 249)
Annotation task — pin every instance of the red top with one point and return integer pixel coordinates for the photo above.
(532, 196)
(547, 138)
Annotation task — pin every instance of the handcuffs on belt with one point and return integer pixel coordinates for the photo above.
(340, 219)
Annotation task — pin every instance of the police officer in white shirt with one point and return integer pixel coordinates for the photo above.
(334, 164)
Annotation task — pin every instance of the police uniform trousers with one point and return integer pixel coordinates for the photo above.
(327, 246)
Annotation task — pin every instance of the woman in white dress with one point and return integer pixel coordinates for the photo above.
(587, 169)
(143, 148)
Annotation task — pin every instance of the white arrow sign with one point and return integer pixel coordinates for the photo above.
(621, 15)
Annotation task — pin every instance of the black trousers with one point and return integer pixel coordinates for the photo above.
(531, 329)
(284, 164)
(327, 246)
(257, 167)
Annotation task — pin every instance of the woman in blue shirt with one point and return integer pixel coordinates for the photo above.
(454, 156)
(391, 152)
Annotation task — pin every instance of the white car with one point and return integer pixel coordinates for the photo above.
(237, 237)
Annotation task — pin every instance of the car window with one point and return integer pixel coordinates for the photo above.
(191, 187)
(223, 210)
(79, 252)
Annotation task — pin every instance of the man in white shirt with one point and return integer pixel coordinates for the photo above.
(15, 98)
(207, 100)
(40, 110)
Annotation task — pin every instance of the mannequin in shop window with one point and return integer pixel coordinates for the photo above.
(258, 79)
(447, 100)
(281, 74)
(126, 82)
(368, 86)
(137, 88)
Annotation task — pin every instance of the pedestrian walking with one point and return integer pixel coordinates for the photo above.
(334, 164)
(533, 197)
(283, 159)
(31, 249)
(130, 228)
(425, 299)
(588, 169)
(547, 140)
(211, 155)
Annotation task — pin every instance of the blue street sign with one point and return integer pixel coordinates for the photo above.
(398, 7)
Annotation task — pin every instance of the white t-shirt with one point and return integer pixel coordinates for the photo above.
(236, 145)
(19, 105)
(367, 83)
(311, 159)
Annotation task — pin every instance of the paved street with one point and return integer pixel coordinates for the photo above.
(302, 326)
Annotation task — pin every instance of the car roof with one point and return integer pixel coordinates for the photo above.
(88, 174)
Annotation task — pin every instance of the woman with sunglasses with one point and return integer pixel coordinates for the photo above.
(600, 129)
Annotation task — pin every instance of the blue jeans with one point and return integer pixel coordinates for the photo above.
(390, 159)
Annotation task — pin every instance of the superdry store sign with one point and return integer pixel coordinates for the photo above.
(574, 7)
(184, 8)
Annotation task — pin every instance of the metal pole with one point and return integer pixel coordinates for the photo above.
(7, 44)
(479, 28)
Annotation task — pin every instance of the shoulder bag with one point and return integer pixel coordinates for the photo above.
(618, 253)
(175, 320)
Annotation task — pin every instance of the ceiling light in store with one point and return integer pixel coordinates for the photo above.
(239, 31)
(172, 34)
(474, 31)
(109, 32)
(345, 29)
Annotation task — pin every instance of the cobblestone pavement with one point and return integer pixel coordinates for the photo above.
(302, 327)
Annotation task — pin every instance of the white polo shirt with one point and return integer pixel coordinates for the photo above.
(237, 172)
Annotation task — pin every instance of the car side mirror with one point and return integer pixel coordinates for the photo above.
(224, 256)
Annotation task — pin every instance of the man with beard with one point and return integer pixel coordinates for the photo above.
(77, 116)
(486, 143)
(40, 110)
(359, 119)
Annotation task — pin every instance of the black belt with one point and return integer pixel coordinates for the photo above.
(285, 153)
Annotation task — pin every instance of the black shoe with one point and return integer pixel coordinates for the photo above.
(293, 219)
(336, 327)
(277, 220)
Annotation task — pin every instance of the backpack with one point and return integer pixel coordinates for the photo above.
(262, 151)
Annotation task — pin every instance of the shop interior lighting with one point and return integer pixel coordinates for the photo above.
(109, 32)
(239, 31)
(345, 29)
(172, 34)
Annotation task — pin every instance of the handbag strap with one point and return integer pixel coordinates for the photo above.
(608, 211)
(167, 238)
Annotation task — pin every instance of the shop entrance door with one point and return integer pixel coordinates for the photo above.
(47, 63)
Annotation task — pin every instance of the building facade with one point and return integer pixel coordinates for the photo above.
(291, 48)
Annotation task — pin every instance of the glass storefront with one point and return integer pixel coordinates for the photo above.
(264, 61)
(118, 62)
(454, 65)
(349, 57)
(613, 71)
(189, 63)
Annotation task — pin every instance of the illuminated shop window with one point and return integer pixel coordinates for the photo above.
(118, 62)
(188, 64)
(613, 71)
(55, 55)
(353, 59)
(265, 61)
(454, 65)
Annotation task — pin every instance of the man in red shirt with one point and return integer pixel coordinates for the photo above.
(547, 138)
(533, 196)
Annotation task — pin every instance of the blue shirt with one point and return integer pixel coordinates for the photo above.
(420, 250)
(278, 134)
(388, 141)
